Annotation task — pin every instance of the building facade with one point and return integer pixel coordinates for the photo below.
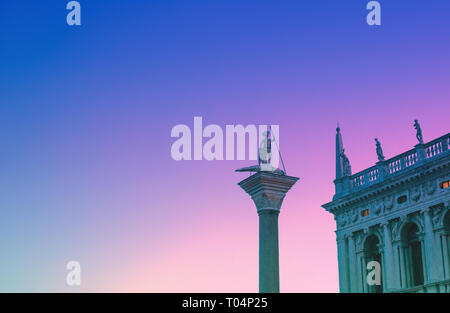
(395, 213)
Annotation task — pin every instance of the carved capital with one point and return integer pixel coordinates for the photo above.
(350, 236)
(268, 189)
(385, 224)
(396, 225)
(426, 211)
(437, 214)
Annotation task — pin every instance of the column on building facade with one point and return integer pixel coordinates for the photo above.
(364, 273)
(402, 266)
(398, 278)
(409, 265)
(406, 262)
(383, 270)
(445, 257)
(390, 275)
(342, 263)
(431, 255)
(352, 264)
(443, 248)
(359, 276)
(424, 263)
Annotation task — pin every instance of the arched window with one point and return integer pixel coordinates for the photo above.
(414, 274)
(372, 253)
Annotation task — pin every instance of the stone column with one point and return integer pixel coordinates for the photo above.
(431, 255)
(383, 270)
(359, 278)
(268, 191)
(268, 251)
(445, 255)
(398, 279)
(365, 286)
(342, 264)
(352, 264)
(402, 267)
(360, 270)
(390, 277)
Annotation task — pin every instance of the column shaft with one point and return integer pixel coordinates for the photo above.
(390, 276)
(402, 267)
(431, 255)
(359, 279)
(446, 256)
(352, 265)
(269, 280)
(366, 287)
(397, 279)
(342, 263)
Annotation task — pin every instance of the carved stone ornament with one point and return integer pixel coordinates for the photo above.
(395, 227)
(437, 216)
(416, 193)
(341, 220)
(354, 216)
(378, 207)
(430, 187)
(389, 202)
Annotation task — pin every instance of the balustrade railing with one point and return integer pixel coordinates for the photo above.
(409, 159)
(365, 178)
(402, 161)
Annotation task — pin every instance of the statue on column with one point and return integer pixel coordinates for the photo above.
(265, 153)
(419, 135)
(265, 157)
(379, 150)
(347, 169)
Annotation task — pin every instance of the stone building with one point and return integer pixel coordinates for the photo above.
(397, 214)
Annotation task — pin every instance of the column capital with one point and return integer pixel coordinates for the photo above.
(385, 224)
(426, 210)
(349, 236)
(267, 190)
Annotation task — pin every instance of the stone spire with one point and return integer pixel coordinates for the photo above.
(339, 151)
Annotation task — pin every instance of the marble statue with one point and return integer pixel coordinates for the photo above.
(346, 164)
(419, 135)
(379, 150)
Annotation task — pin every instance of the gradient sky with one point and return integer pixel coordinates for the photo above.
(86, 114)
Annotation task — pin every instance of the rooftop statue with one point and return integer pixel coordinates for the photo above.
(347, 169)
(379, 150)
(419, 135)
